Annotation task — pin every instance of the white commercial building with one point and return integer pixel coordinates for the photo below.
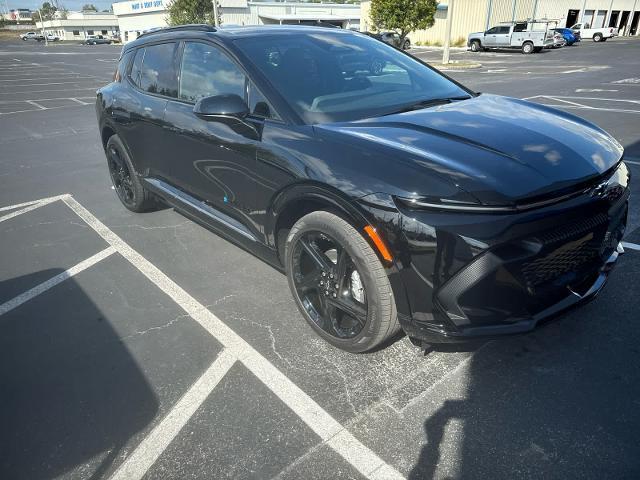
(134, 17)
(478, 15)
(78, 25)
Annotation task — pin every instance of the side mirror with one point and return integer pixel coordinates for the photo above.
(220, 107)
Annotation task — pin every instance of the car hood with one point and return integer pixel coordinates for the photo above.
(500, 150)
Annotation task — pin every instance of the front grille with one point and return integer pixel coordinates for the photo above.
(570, 248)
(569, 257)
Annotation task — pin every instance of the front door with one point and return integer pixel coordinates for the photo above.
(490, 37)
(214, 160)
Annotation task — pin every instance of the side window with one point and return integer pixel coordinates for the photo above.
(493, 30)
(206, 71)
(121, 71)
(136, 68)
(158, 73)
(258, 104)
(504, 30)
(520, 27)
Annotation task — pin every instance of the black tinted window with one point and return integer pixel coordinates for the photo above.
(493, 30)
(504, 30)
(206, 71)
(122, 66)
(158, 73)
(333, 76)
(136, 68)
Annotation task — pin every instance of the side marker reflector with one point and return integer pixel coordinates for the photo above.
(377, 241)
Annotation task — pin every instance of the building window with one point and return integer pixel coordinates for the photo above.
(104, 32)
(76, 32)
(89, 32)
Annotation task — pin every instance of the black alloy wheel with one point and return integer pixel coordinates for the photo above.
(339, 283)
(125, 181)
(120, 176)
(329, 285)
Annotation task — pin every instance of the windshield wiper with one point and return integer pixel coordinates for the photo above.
(431, 102)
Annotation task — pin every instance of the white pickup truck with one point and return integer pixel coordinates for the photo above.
(597, 34)
(529, 36)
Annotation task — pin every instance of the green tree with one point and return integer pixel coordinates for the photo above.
(89, 7)
(403, 16)
(48, 11)
(181, 12)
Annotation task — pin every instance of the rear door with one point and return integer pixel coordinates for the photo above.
(153, 78)
(503, 37)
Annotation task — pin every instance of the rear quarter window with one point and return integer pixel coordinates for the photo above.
(154, 69)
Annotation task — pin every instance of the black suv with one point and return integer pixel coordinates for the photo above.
(394, 198)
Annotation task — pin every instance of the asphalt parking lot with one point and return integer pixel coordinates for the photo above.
(143, 346)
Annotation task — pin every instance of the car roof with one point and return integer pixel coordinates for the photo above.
(228, 33)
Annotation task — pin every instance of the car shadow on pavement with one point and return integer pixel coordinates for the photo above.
(561, 402)
(72, 394)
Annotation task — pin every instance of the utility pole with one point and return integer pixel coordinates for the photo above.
(215, 12)
(447, 33)
(46, 42)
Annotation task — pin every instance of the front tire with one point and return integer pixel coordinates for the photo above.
(125, 181)
(339, 283)
(475, 46)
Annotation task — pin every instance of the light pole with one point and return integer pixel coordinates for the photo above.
(447, 33)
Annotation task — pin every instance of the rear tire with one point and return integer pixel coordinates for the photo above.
(406, 45)
(527, 48)
(597, 37)
(355, 280)
(124, 178)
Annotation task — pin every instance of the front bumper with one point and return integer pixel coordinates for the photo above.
(473, 276)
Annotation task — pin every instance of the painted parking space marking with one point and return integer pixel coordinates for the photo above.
(27, 207)
(52, 282)
(330, 431)
(149, 450)
(562, 101)
(631, 246)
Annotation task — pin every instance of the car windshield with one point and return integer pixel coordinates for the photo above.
(335, 76)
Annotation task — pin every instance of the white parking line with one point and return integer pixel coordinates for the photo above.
(52, 282)
(18, 205)
(632, 162)
(330, 431)
(156, 442)
(323, 424)
(631, 246)
(30, 206)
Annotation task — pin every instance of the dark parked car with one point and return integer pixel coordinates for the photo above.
(391, 38)
(97, 40)
(402, 200)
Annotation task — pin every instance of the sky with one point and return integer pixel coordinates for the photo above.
(68, 4)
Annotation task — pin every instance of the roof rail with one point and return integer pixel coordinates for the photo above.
(203, 27)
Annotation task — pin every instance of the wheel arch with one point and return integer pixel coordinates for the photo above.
(296, 201)
(105, 134)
